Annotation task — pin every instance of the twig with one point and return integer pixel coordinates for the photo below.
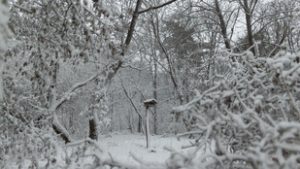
(23, 9)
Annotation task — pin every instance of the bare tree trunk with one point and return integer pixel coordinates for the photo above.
(1, 83)
(223, 25)
(211, 62)
(112, 115)
(113, 69)
(130, 121)
(139, 129)
(249, 32)
(154, 79)
(94, 107)
(93, 129)
(248, 9)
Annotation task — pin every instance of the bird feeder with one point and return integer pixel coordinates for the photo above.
(150, 103)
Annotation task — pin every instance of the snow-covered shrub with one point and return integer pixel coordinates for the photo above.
(4, 31)
(254, 111)
(52, 35)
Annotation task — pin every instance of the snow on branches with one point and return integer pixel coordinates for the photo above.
(255, 111)
(4, 31)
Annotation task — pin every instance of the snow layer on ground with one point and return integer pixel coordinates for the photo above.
(126, 147)
(123, 148)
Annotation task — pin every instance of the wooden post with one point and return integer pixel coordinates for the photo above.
(147, 132)
(148, 103)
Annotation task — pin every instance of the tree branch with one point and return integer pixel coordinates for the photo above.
(131, 101)
(132, 24)
(171, 70)
(72, 89)
(156, 7)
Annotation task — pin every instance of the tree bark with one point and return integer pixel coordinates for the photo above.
(139, 130)
(93, 129)
(248, 16)
(60, 130)
(94, 108)
(223, 25)
(130, 121)
(250, 33)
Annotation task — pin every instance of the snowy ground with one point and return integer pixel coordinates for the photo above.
(123, 148)
(128, 148)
